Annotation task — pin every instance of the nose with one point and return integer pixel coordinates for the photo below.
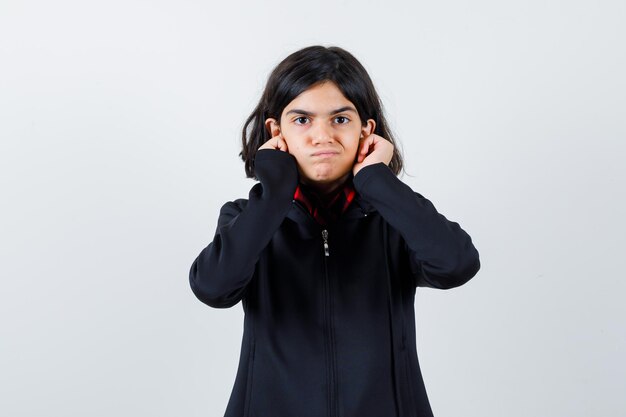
(322, 133)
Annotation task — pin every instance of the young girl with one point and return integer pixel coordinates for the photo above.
(327, 251)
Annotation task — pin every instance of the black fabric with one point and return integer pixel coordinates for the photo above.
(329, 331)
(329, 209)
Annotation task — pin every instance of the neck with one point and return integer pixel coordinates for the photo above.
(327, 189)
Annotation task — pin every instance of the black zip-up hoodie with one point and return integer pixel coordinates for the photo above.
(329, 325)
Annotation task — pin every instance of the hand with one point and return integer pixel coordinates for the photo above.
(372, 149)
(276, 142)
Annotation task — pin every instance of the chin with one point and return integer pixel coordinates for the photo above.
(325, 174)
(323, 179)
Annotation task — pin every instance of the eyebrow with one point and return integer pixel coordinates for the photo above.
(308, 113)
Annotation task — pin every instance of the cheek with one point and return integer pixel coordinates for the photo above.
(354, 147)
(295, 148)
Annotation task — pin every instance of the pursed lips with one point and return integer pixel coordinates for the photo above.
(325, 153)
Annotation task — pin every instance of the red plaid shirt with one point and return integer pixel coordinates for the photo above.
(325, 213)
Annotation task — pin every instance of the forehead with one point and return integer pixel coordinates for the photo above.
(320, 96)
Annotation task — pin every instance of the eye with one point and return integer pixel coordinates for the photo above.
(298, 118)
(343, 118)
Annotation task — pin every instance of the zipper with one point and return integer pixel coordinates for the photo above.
(333, 389)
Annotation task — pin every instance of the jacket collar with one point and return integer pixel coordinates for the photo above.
(358, 208)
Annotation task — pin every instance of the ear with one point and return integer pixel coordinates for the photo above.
(272, 126)
(368, 129)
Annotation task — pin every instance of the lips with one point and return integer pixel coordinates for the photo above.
(325, 153)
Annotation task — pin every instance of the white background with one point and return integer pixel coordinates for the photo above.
(120, 126)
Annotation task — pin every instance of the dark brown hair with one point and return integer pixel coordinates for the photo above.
(300, 71)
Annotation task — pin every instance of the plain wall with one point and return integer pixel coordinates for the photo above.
(120, 126)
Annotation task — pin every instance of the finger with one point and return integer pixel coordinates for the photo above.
(365, 148)
(372, 141)
(358, 151)
(281, 144)
(362, 146)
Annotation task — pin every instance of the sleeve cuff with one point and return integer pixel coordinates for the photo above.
(366, 173)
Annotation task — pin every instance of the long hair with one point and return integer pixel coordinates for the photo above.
(300, 71)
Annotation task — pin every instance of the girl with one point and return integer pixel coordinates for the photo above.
(327, 251)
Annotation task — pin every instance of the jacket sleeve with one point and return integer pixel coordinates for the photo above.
(219, 275)
(441, 254)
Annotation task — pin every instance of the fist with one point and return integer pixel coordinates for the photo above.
(276, 142)
(373, 149)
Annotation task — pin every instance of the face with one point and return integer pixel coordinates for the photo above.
(322, 130)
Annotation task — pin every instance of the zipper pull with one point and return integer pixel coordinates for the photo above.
(325, 237)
